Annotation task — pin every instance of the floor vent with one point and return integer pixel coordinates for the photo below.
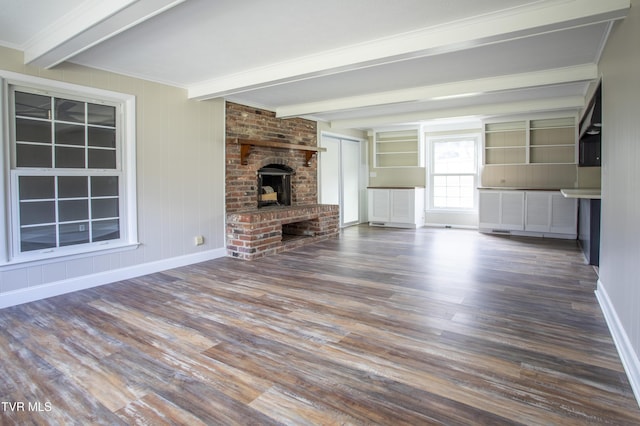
(500, 231)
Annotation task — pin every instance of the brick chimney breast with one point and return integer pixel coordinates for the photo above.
(243, 122)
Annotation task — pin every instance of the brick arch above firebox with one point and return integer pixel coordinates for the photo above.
(276, 160)
(281, 166)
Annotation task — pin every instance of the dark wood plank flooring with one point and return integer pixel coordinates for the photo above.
(378, 326)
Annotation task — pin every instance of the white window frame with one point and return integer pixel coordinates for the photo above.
(431, 141)
(10, 255)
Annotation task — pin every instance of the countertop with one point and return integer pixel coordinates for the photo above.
(591, 193)
(515, 188)
(395, 187)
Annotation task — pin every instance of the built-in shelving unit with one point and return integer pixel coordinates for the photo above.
(505, 143)
(552, 141)
(398, 148)
(541, 141)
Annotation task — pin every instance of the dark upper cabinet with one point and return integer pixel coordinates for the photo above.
(589, 155)
(590, 141)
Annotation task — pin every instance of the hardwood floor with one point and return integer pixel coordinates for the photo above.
(378, 326)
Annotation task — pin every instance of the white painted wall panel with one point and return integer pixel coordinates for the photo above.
(330, 171)
(620, 234)
(180, 181)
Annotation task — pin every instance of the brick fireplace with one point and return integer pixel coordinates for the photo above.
(254, 232)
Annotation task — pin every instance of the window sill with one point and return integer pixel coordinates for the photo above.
(64, 257)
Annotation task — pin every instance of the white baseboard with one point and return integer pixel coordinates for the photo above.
(627, 354)
(490, 230)
(57, 288)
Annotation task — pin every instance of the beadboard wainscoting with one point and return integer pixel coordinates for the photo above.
(69, 285)
(625, 348)
(179, 186)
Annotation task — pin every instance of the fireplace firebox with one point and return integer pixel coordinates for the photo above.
(274, 185)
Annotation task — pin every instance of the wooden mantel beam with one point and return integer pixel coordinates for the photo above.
(246, 144)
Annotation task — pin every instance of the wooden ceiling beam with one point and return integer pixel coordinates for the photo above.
(87, 25)
(537, 18)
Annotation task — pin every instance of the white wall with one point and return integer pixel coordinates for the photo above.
(180, 186)
(619, 285)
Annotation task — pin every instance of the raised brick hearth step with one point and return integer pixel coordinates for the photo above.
(257, 233)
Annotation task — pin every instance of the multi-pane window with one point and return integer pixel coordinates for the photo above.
(66, 175)
(57, 211)
(454, 166)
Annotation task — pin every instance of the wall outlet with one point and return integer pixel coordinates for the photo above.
(199, 240)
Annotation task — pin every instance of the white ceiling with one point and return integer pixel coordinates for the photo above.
(353, 63)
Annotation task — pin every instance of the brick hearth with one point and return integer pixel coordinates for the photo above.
(258, 233)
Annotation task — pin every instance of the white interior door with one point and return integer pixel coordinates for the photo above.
(340, 177)
(350, 182)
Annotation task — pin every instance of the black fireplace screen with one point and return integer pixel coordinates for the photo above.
(274, 185)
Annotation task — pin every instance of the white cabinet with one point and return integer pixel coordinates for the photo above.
(501, 210)
(564, 214)
(550, 212)
(396, 207)
(489, 209)
(512, 208)
(538, 211)
(379, 205)
(533, 213)
(403, 206)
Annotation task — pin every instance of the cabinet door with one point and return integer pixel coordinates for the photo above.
(538, 211)
(512, 211)
(402, 206)
(379, 205)
(489, 209)
(564, 215)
